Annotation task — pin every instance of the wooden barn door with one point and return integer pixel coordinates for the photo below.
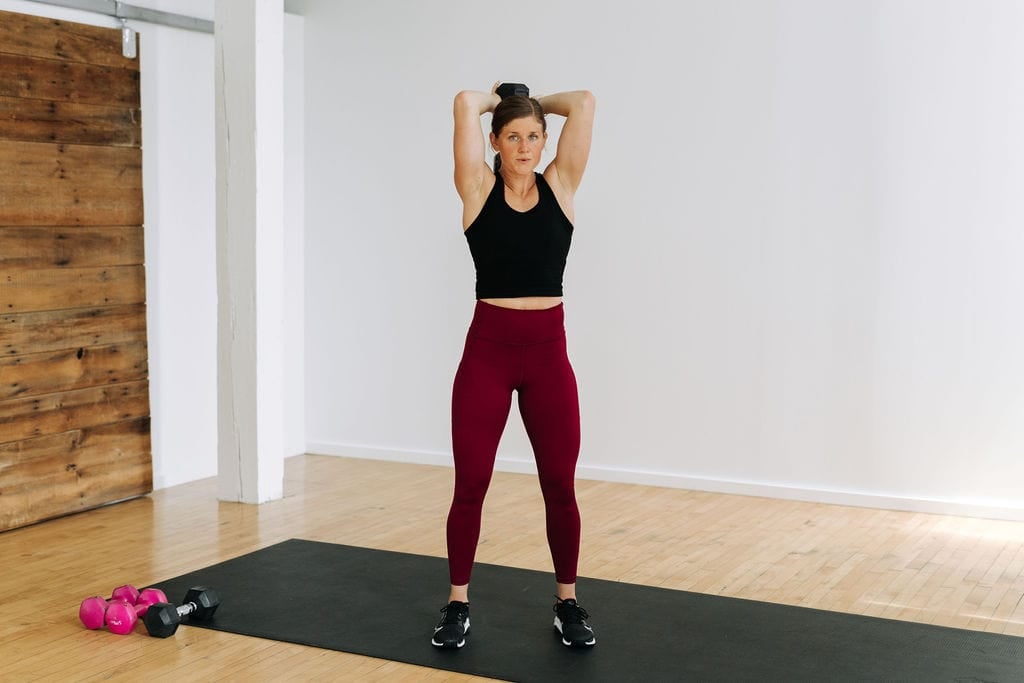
(74, 389)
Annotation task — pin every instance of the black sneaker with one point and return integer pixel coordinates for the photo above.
(451, 631)
(570, 621)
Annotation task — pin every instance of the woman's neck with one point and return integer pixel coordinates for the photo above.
(518, 184)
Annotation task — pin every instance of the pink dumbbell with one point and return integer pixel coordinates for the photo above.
(121, 617)
(93, 609)
(122, 610)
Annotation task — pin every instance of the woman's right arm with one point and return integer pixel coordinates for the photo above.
(470, 165)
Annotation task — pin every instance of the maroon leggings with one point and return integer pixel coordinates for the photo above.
(513, 350)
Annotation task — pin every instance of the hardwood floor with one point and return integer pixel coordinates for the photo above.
(953, 571)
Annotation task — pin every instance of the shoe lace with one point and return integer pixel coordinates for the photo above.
(570, 612)
(454, 613)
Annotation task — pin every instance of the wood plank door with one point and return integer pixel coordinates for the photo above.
(74, 387)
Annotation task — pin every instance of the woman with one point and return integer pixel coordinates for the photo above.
(519, 226)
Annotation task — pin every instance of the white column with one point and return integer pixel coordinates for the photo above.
(249, 44)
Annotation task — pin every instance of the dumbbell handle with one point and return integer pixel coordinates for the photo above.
(186, 609)
(162, 620)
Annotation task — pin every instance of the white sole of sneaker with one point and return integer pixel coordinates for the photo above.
(587, 643)
(450, 646)
(446, 646)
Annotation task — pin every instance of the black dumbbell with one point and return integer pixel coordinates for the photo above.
(507, 89)
(162, 619)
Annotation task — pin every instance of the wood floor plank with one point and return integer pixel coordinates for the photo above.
(928, 568)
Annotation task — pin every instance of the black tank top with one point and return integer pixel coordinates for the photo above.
(519, 253)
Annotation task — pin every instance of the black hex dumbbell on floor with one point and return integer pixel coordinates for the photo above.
(162, 619)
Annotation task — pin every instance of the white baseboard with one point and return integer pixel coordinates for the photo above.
(1003, 510)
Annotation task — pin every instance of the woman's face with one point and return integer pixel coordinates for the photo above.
(520, 144)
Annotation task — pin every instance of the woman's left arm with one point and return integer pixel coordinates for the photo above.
(574, 142)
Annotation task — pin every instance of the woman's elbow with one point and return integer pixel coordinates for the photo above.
(587, 101)
(465, 98)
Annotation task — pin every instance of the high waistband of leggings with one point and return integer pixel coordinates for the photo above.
(515, 326)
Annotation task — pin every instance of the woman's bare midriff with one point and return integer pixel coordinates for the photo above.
(526, 303)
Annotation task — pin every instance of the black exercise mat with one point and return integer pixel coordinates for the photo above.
(385, 604)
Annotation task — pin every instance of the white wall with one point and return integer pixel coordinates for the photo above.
(179, 194)
(294, 324)
(796, 264)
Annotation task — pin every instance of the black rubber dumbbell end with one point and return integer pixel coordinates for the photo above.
(205, 600)
(507, 89)
(162, 619)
